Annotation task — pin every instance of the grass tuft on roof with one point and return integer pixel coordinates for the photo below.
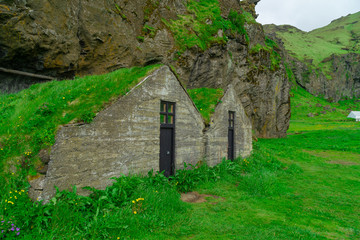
(206, 100)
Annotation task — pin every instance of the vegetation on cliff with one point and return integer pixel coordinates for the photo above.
(270, 48)
(201, 27)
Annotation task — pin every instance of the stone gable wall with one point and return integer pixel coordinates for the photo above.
(125, 138)
(217, 134)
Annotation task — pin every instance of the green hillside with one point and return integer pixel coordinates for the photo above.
(344, 31)
(339, 37)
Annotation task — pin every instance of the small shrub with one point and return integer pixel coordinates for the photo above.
(140, 38)
(87, 117)
(46, 109)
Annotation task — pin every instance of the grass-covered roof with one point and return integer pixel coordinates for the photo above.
(206, 100)
(29, 119)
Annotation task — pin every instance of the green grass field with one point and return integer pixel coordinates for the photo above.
(315, 195)
(304, 186)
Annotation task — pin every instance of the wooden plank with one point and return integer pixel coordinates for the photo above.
(17, 72)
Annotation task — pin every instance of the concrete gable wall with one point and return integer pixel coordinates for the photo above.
(125, 138)
(217, 134)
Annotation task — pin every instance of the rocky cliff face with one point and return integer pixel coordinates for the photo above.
(344, 82)
(64, 39)
(336, 77)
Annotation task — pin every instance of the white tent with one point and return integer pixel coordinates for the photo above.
(355, 114)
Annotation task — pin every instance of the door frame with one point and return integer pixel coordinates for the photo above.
(231, 127)
(167, 125)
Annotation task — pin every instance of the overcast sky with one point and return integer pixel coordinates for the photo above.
(304, 14)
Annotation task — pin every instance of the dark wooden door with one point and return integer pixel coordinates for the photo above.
(166, 151)
(231, 136)
(167, 137)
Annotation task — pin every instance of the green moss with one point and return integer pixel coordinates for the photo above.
(289, 73)
(306, 76)
(118, 10)
(206, 100)
(275, 57)
(270, 43)
(140, 38)
(201, 26)
(249, 17)
(173, 69)
(149, 31)
(149, 9)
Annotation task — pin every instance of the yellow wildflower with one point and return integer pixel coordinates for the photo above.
(135, 212)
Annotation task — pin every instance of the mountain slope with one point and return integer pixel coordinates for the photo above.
(341, 36)
(324, 61)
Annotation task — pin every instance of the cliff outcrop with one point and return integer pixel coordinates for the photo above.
(207, 45)
(342, 83)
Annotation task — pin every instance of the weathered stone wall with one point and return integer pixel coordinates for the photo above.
(125, 138)
(217, 134)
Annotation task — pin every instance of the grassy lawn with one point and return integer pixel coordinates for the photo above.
(318, 199)
(315, 196)
(305, 186)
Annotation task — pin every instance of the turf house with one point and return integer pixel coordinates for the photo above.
(229, 133)
(156, 125)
